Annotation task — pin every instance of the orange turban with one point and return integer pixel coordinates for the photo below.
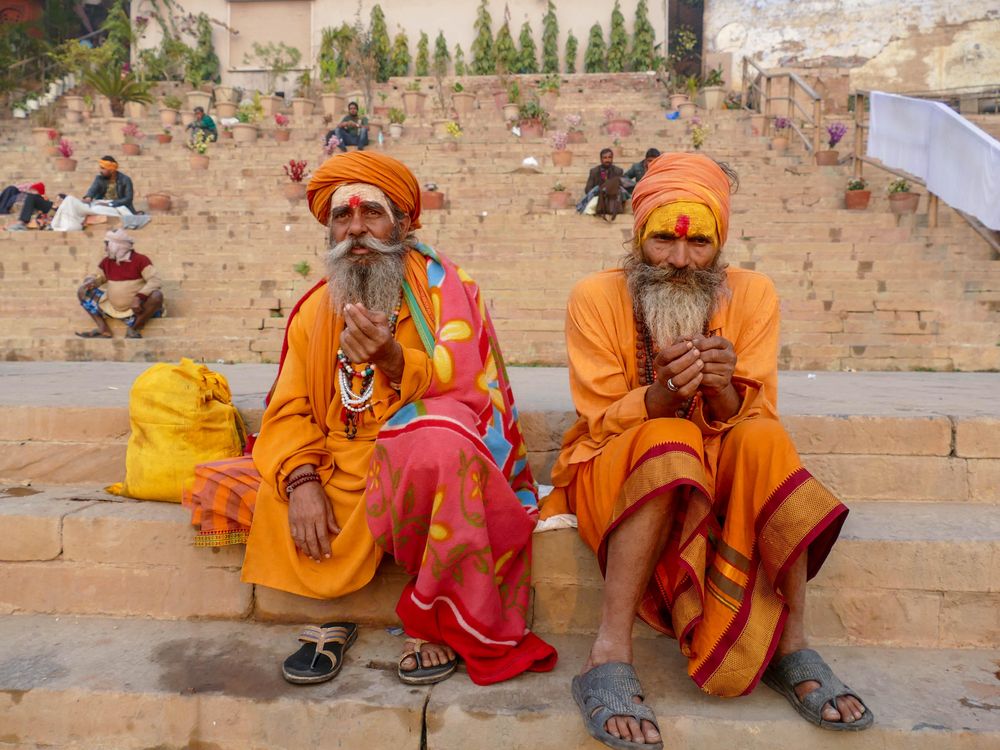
(682, 177)
(390, 175)
(104, 164)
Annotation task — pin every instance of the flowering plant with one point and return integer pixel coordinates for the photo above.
(697, 131)
(835, 131)
(781, 123)
(900, 185)
(200, 143)
(65, 148)
(53, 134)
(281, 120)
(558, 188)
(453, 129)
(296, 170)
(573, 122)
(856, 183)
(331, 145)
(560, 139)
(131, 131)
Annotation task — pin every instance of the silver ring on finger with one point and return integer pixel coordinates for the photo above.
(670, 385)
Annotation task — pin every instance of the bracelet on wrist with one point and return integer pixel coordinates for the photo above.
(300, 480)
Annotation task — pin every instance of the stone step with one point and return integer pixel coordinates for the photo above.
(80, 683)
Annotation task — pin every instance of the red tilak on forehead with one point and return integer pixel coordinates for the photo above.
(683, 224)
(354, 202)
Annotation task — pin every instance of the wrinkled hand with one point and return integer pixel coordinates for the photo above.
(680, 365)
(368, 338)
(719, 359)
(311, 521)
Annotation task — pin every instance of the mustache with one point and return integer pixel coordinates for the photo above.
(690, 277)
(384, 247)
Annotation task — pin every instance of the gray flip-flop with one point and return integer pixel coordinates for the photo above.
(606, 691)
(804, 665)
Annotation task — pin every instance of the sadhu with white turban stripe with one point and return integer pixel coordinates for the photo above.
(684, 482)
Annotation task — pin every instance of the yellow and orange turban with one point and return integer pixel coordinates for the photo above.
(685, 178)
(389, 175)
(105, 164)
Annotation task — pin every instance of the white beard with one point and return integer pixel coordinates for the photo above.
(374, 279)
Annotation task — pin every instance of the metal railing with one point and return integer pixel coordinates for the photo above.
(861, 107)
(760, 94)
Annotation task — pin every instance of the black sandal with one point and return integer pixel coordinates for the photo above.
(322, 654)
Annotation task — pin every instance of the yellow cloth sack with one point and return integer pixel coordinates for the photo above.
(181, 415)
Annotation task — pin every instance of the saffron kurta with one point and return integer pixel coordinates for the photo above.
(747, 509)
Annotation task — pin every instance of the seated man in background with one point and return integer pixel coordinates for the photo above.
(596, 179)
(125, 287)
(202, 124)
(638, 170)
(26, 203)
(683, 481)
(110, 194)
(352, 130)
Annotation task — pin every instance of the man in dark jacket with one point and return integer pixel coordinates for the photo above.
(598, 176)
(638, 170)
(110, 194)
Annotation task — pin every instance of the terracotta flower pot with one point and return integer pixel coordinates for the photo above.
(560, 199)
(413, 103)
(198, 161)
(223, 94)
(282, 134)
(164, 137)
(714, 96)
(334, 104)
(779, 143)
(620, 127)
(131, 149)
(244, 132)
(857, 200)
(903, 203)
(65, 165)
(431, 200)
(40, 136)
(828, 158)
(532, 129)
(198, 99)
(168, 117)
(225, 109)
(676, 100)
(395, 130)
(562, 158)
(73, 116)
(576, 136)
(227, 135)
(687, 109)
(115, 134)
(295, 191)
(302, 107)
(463, 102)
(510, 112)
(135, 110)
(158, 201)
(74, 103)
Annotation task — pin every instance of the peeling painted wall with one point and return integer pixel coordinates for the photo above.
(916, 46)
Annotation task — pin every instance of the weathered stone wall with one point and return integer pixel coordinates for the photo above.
(916, 46)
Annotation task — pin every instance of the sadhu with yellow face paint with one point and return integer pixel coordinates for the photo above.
(391, 429)
(683, 480)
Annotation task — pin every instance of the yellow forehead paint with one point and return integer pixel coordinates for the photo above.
(682, 219)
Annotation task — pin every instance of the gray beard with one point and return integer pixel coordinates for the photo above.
(374, 279)
(674, 303)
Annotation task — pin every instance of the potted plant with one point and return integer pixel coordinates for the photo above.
(561, 156)
(857, 195)
(65, 162)
(779, 142)
(199, 151)
(901, 199)
(281, 133)
(160, 201)
(687, 107)
(698, 133)
(20, 110)
(396, 119)
(224, 95)
(431, 199)
(453, 130)
(245, 131)
(513, 105)
(227, 128)
(295, 190)
(616, 124)
(835, 131)
(713, 89)
(53, 136)
(303, 104)
(225, 108)
(330, 147)
(164, 137)
(574, 129)
(132, 135)
(532, 119)
(548, 90)
(413, 99)
(381, 109)
(560, 197)
(462, 100)
(119, 89)
(170, 107)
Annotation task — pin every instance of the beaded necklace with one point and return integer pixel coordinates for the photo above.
(357, 403)
(645, 354)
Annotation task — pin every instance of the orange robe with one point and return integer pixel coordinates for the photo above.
(748, 507)
(290, 436)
